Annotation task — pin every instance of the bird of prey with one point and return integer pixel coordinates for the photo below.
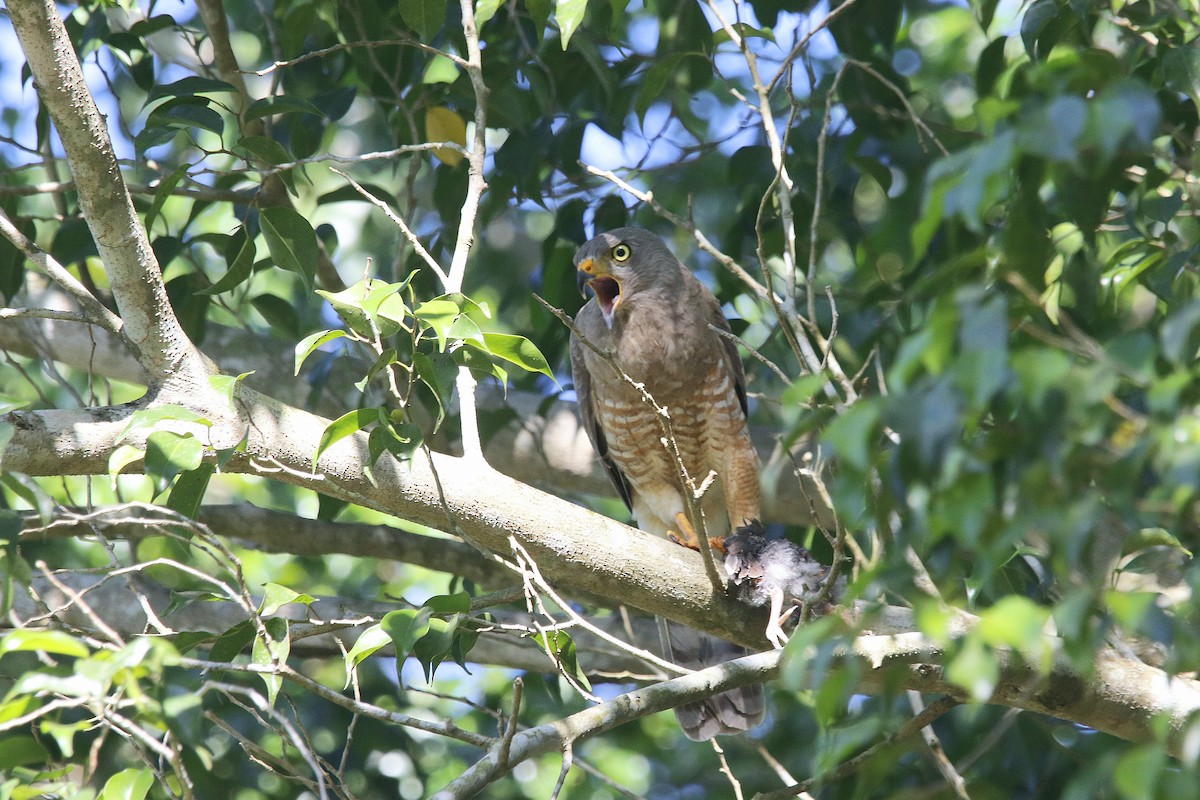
(652, 317)
(778, 572)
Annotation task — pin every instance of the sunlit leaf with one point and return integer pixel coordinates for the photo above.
(43, 641)
(569, 14)
(310, 344)
(369, 641)
(444, 125)
(276, 595)
(169, 453)
(128, 784)
(516, 350)
(343, 426)
(269, 650)
(292, 242)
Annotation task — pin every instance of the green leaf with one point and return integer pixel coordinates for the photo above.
(310, 344)
(150, 417)
(17, 751)
(369, 641)
(539, 10)
(292, 242)
(745, 31)
(438, 315)
(479, 363)
(169, 453)
(437, 371)
(423, 16)
(233, 642)
(516, 350)
(974, 669)
(63, 734)
(561, 648)
(263, 149)
(128, 784)
(283, 104)
(458, 603)
(229, 385)
(405, 627)
(653, 85)
(485, 10)
(121, 458)
(43, 641)
(1180, 338)
(1018, 623)
(1181, 68)
(188, 87)
(276, 595)
(186, 113)
(1137, 771)
(188, 492)
(272, 649)
(163, 193)
(400, 439)
(854, 433)
(569, 14)
(371, 301)
(344, 426)
(442, 70)
(239, 268)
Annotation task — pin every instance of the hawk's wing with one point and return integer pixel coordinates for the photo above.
(583, 394)
(733, 360)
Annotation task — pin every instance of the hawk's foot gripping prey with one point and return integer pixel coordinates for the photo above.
(686, 535)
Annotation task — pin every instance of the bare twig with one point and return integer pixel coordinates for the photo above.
(937, 752)
(848, 767)
(93, 309)
(360, 44)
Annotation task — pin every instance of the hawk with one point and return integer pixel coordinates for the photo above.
(653, 316)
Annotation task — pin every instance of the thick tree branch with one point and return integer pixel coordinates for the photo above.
(538, 443)
(163, 349)
(592, 553)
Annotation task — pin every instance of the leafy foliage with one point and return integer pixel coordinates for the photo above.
(979, 225)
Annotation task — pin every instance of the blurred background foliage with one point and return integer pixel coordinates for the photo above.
(995, 206)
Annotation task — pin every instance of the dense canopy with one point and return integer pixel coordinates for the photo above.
(295, 500)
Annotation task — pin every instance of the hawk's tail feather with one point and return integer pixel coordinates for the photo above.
(735, 711)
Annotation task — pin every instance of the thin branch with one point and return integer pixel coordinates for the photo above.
(606, 716)
(575, 617)
(937, 752)
(357, 45)
(425, 255)
(93, 309)
(163, 349)
(684, 224)
(771, 365)
(848, 767)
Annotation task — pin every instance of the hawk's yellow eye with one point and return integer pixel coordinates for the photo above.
(621, 252)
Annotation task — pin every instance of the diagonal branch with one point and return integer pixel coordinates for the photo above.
(163, 349)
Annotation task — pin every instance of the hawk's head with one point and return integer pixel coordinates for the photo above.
(618, 263)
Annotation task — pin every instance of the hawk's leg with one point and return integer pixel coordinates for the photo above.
(688, 537)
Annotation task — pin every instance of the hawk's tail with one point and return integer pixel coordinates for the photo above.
(735, 711)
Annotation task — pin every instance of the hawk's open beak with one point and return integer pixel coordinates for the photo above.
(606, 288)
